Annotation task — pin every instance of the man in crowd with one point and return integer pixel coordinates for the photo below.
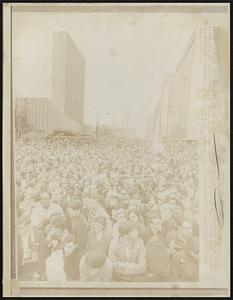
(45, 209)
(184, 263)
(73, 253)
(157, 255)
(127, 252)
(77, 223)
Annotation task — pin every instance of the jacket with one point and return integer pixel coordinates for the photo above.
(79, 228)
(133, 257)
(72, 264)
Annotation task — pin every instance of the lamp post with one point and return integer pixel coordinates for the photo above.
(97, 129)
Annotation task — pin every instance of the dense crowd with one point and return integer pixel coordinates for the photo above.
(106, 210)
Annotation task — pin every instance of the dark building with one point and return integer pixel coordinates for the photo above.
(68, 79)
(64, 112)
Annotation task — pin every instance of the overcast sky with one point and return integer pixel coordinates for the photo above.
(128, 56)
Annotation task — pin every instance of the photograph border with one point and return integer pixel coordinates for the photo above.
(11, 286)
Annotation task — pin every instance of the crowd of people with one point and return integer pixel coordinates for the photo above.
(106, 210)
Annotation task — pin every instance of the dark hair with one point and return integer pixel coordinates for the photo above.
(95, 259)
(126, 227)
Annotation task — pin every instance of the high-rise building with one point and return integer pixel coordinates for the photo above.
(64, 112)
(68, 79)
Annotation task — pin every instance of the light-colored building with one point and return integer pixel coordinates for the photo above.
(192, 95)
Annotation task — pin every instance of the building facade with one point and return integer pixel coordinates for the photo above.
(68, 80)
(192, 95)
(31, 116)
(64, 112)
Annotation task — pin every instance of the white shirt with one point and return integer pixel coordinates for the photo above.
(55, 267)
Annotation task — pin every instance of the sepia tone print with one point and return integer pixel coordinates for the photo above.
(120, 147)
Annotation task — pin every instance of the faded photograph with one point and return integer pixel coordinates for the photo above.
(108, 112)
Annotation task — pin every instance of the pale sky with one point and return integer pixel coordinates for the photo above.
(127, 55)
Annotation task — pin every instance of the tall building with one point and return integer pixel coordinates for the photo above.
(64, 112)
(68, 80)
(163, 110)
(195, 93)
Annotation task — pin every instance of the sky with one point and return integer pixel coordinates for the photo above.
(128, 56)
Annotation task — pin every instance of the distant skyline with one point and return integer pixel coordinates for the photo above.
(127, 56)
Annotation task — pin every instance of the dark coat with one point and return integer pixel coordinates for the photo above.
(78, 227)
(157, 256)
(183, 267)
(71, 264)
(93, 244)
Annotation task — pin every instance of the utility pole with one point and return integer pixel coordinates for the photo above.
(97, 129)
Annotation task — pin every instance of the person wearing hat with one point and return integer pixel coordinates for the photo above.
(77, 223)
